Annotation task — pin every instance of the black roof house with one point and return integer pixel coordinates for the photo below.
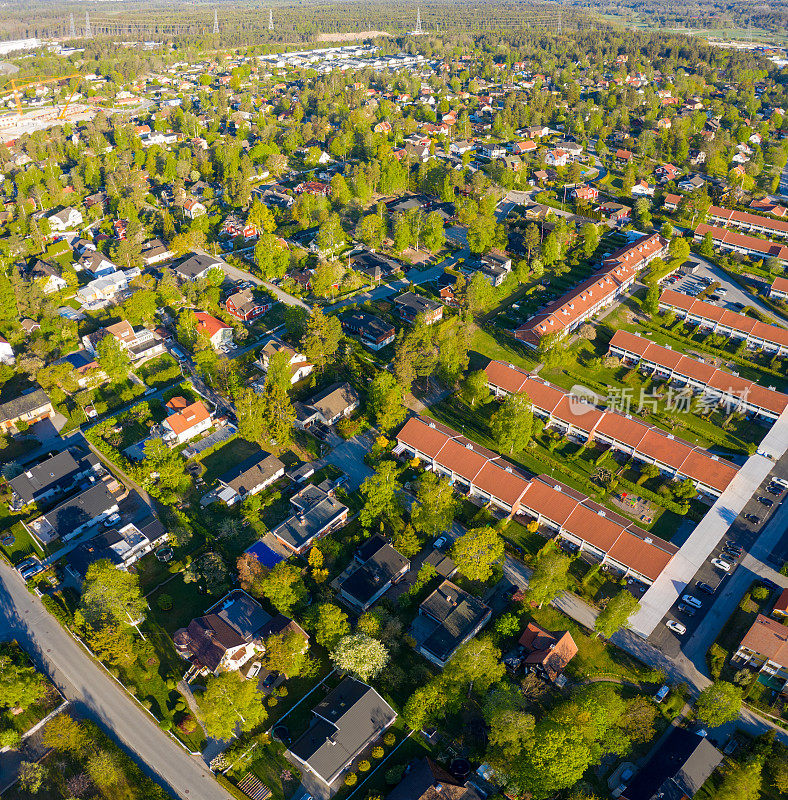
(677, 770)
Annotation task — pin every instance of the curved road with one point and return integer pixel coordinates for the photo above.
(96, 696)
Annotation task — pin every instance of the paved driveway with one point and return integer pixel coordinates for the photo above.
(95, 695)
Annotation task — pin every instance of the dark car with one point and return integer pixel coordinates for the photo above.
(685, 609)
(752, 518)
(734, 554)
(706, 588)
(734, 548)
(775, 489)
(270, 680)
(765, 501)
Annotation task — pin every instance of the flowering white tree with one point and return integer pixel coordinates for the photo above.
(360, 655)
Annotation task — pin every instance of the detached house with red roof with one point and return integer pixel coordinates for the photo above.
(546, 651)
(219, 334)
(585, 193)
(185, 421)
(765, 649)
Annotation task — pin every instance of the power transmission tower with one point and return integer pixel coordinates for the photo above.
(88, 31)
(418, 30)
(71, 31)
(215, 21)
(270, 20)
(559, 20)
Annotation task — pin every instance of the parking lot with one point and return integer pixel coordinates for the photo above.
(693, 285)
(743, 533)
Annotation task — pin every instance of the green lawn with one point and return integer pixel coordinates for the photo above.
(227, 456)
(500, 347)
(38, 710)
(160, 371)
(188, 603)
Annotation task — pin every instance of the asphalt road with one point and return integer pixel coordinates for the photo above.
(95, 695)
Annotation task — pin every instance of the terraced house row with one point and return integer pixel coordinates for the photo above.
(486, 477)
(743, 243)
(712, 319)
(728, 388)
(618, 273)
(674, 457)
(750, 223)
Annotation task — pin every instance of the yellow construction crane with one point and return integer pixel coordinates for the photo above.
(17, 85)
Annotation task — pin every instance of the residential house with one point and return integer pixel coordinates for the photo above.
(335, 402)
(376, 265)
(749, 223)
(764, 648)
(345, 722)
(47, 275)
(300, 368)
(51, 478)
(376, 566)
(691, 184)
(492, 150)
(103, 290)
(447, 619)
(231, 633)
(6, 352)
(217, 333)
(140, 343)
(512, 162)
(316, 512)
(666, 172)
(523, 148)
(65, 220)
(245, 306)
(768, 205)
(682, 763)
(548, 652)
(374, 332)
(623, 156)
(781, 605)
(185, 420)
(425, 780)
(495, 266)
(26, 409)
(487, 478)
(77, 514)
(615, 212)
(665, 364)
(727, 239)
(537, 131)
(96, 264)
(316, 188)
(197, 266)
(642, 189)
(155, 251)
(122, 546)
(234, 226)
(410, 306)
(618, 273)
(779, 289)
(250, 476)
(557, 158)
(712, 319)
(193, 208)
(587, 194)
(460, 147)
(574, 149)
(646, 443)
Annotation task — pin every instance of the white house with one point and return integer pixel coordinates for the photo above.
(185, 421)
(219, 334)
(642, 189)
(300, 367)
(102, 289)
(193, 208)
(65, 220)
(6, 352)
(557, 158)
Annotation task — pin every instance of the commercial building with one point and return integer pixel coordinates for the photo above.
(676, 458)
(729, 389)
(712, 319)
(617, 274)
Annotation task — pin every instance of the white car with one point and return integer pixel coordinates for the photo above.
(721, 564)
(111, 520)
(691, 600)
(676, 627)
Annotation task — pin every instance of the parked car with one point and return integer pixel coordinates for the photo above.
(774, 489)
(254, 670)
(705, 588)
(112, 519)
(439, 542)
(752, 518)
(765, 501)
(662, 693)
(692, 600)
(270, 680)
(720, 563)
(676, 627)
(733, 547)
(685, 609)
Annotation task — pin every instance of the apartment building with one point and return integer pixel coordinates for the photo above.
(728, 388)
(712, 319)
(779, 289)
(749, 223)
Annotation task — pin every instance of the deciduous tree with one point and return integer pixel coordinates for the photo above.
(512, 423)
(615, 614)
(477, 551)
(360, 655)
(228, 703)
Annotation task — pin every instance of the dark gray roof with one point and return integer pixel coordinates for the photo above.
(44, 269)
(416, 304)
(346, 720)
(48, 474)
(368, 325)
(96, 549)
(425, 780)
(24, 404)
(315, 510)
(457, 614)
(251, 472)
(677, 770)
(370, 263)
(79, 510)
(243, 613)
(197, 264)
(380, 562)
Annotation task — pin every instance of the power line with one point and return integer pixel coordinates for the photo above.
(215, 21)
(88, 32)
(270, 20)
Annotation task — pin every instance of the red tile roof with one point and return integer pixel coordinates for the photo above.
(742, 240)
(208, 325)
(190, 416)
(768, 638)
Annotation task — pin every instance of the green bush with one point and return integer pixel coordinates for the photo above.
(389, 739)
(164, 602)
(760, 593)
(394, 775)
